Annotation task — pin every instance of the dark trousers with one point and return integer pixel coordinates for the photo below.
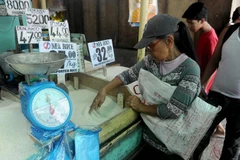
(149, 152)
(230, 111)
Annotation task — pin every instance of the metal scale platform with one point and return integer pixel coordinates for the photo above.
(120, 139)
(46, 106)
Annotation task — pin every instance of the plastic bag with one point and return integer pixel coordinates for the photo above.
(87, 143)
(182, 135)
(58, 149)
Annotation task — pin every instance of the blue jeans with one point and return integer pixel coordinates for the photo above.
(230, 111)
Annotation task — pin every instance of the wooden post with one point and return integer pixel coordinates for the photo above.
(35, 4)
(43, 4)
(143, 21)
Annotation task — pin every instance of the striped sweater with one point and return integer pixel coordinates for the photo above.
(185, 76)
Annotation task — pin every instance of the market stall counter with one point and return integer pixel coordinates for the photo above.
(120, 126)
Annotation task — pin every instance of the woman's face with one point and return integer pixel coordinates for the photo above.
(159, 50)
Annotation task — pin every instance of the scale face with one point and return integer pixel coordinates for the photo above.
(50, 107)
(46, 105)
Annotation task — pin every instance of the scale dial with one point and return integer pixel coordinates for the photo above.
(50, 108)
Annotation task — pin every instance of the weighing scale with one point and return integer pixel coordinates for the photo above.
(46, 106)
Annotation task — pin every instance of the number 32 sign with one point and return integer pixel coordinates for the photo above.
(101, 52)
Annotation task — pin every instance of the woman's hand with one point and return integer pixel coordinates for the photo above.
(98, 100)
(135, 103)
(203, 94)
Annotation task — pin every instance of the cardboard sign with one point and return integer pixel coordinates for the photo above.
(28, 35)
(59, 31)
(69, 49)
(101, 52)
(37, 17)
(3, 10)
(17, 7)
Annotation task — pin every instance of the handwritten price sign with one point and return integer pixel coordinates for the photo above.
(28, 35)
(37, 17)
(59, 31)
(17, 7)
(101, 52)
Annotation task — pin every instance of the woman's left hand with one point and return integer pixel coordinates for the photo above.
(203, 94)
(135, 103)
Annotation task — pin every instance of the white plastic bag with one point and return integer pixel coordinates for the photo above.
(182, 135)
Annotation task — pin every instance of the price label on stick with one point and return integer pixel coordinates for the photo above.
(28, 35)
(37, 17)
(59, 31)
(17, 7)
(101, 52)
(69, 49)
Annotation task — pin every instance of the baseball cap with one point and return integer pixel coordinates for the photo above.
(159, 25)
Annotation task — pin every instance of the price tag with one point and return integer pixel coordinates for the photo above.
(17, 7)
(101, 52)
(59, 31)
(3, 10)
(28, 35)
(37, 17)
(69, 49)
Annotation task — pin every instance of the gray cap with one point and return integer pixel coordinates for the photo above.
(159, 25)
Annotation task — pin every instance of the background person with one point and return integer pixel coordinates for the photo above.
(225, 92)
(236, 16)
(220, 130)
(196, 16)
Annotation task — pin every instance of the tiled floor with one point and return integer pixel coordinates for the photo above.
(214, 149)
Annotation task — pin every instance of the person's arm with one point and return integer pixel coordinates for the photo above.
(214, 61)
(100, 98)
(135, 103)
(209, 48)
(125, 78)
(185, 93)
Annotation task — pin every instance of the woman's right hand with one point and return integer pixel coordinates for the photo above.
(98, 100)
(203, 95)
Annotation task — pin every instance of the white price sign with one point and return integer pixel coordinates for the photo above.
(37, 17)
(28, 35)
(3, 10)
(17, 7)
(101, 52)
(59, 31)
(69, 49)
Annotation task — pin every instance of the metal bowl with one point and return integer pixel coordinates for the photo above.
(42, 63)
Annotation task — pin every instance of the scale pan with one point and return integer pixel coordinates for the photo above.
(42, 63)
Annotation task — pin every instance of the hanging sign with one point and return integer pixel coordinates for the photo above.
(28, 35)
(101, 52)
(59, 31)
(37, 17)
(69, 49)
(17, 7)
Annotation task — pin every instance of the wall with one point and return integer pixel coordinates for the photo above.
(218, 13)
(107, 19)
(7, 34)
(103, 19)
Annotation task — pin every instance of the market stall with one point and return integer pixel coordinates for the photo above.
(119, 125)
(33, 104)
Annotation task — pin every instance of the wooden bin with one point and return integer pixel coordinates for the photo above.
(116, 124)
